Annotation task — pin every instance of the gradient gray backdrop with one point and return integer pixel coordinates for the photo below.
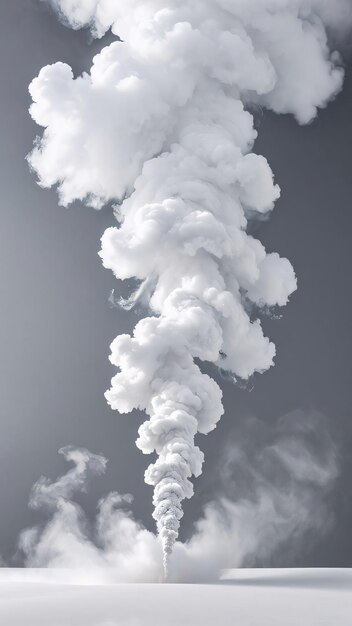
(56, 324)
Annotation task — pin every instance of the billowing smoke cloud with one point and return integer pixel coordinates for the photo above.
(161, 125)
(272, 492)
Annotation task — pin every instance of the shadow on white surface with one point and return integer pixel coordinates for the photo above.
(335, 579)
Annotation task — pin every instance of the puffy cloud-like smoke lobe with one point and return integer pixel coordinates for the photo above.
(272, 490)
(161, 125)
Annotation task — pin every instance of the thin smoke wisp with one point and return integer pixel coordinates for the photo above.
(162, 126)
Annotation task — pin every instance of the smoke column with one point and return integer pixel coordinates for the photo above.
(161, 126)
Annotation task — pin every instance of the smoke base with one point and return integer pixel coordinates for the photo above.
(272, 501)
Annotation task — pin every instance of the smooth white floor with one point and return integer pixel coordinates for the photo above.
(242, 598)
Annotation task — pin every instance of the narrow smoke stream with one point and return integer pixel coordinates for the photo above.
(162, 120)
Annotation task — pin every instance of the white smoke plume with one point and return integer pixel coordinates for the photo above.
(161, 125)
(273, 487)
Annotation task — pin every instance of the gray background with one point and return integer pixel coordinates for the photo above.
(56, 324)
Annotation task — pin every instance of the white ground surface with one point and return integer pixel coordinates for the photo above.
(243, 598)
